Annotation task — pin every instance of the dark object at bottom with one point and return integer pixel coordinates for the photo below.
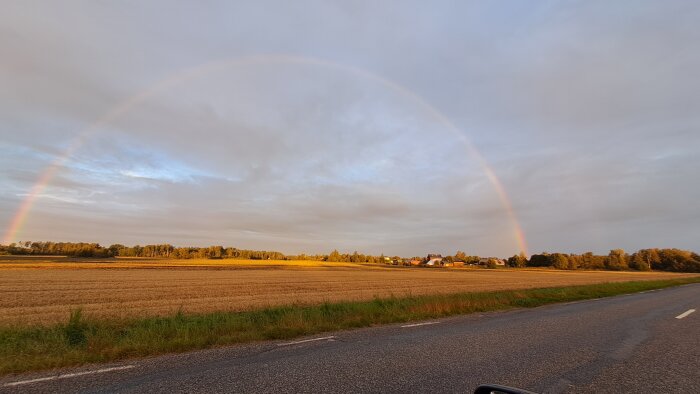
(498, 389)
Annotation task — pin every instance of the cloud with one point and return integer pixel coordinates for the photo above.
(586, 111)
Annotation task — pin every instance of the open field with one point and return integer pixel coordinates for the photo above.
(142, 262)
(45, 290)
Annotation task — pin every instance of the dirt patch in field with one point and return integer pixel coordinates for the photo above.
(45, 292)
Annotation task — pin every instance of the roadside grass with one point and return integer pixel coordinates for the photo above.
(84, 340)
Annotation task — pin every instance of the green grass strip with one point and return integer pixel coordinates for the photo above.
(81, 340)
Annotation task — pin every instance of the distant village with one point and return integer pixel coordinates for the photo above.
(436, 260)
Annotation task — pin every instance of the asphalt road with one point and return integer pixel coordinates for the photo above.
(631, 343)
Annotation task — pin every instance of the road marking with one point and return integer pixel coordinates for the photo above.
(686, 313)
(69, 375)
(305, 340)
(420, 324)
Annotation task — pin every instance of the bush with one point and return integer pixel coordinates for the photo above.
(75, 329)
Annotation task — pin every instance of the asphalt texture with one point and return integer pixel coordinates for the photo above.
(624, 344)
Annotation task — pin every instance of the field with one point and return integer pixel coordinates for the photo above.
(45, 290)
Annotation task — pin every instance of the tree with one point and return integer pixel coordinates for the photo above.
(518, 260)
(679, 260)
(559, 261)
(653, 258)
(617, 260)
(574, 261)
(216, 252)
(639, 261)
(540, 260)
(334, 256)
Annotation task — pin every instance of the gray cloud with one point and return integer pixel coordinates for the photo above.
(587, 111)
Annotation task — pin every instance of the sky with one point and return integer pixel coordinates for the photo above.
(396, 127)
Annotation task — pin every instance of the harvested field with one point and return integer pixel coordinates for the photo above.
(45, 290)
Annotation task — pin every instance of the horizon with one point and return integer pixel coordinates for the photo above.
(307, 127)
(350, 252)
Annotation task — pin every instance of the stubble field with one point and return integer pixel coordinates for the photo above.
(45, 290)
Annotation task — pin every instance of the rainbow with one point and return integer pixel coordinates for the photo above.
(182, 76)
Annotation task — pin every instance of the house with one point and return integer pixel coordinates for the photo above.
(415, 262)
(451, 262)
(488, 260)
(433, 262)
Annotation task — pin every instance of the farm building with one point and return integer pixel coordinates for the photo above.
(487, 260)
(434, 263)
(434, 260)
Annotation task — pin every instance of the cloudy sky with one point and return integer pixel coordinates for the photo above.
(304, 126)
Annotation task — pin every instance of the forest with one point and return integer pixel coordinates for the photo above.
(675, 260)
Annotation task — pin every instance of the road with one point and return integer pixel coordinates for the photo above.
(645, 342)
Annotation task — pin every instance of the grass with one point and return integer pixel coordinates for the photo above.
(81, 340)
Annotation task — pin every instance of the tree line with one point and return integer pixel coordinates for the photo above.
(643, 260)
(95, 250)
(167, 251)
(676, 260)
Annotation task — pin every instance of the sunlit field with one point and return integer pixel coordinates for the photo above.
(60, 262)
(43, 290)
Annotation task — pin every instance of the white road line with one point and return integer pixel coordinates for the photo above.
(420, 324)
(69, 375)
(305, 340)
(686, 313)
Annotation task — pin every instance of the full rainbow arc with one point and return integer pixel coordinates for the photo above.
(180, 77)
